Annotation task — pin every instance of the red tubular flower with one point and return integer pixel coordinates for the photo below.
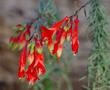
(47, 35)
(22, 38)
(41, 68)
(63, 37)
(37, 66)
(58, 48)
(39, 59)
(22, 63)
(31, 73)
(58, 24)
(55, 48)
(75, 42)
(58, 45)
(59, 34)
(38, 46)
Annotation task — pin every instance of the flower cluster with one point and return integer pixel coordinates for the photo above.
(31, 63)
(66, 29)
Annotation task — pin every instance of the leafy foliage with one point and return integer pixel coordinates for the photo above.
(98, 68)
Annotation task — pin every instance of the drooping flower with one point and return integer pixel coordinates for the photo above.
(75, 42)
(40, 58)
(47, 35)
(36, 67)
(60, 23)
(32, 75)
(22, 62)
(41, 68)
(58, 44)
(38, 46)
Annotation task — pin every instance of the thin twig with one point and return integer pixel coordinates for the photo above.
(83, 6)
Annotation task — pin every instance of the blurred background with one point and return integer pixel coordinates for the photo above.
(13, 12)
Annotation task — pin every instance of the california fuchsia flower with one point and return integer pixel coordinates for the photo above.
(32, 75)
(37, 67)
(22, 62)
(58, 44)
(59, 24)
(75, 42)
(47, 35)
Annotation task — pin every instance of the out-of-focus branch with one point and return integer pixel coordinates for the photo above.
(78, 10)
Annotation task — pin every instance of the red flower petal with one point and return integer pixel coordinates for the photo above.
(22, 38)
(21, 72)
(47, 33)
(39, 56)
(41, 68)
(75, 42)
(55, 48)
(58, 24)
(38, 44)
(32, 75)
(63, 37)
(58, 45)
(22, 62)
(75, 46)
(59, 34)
